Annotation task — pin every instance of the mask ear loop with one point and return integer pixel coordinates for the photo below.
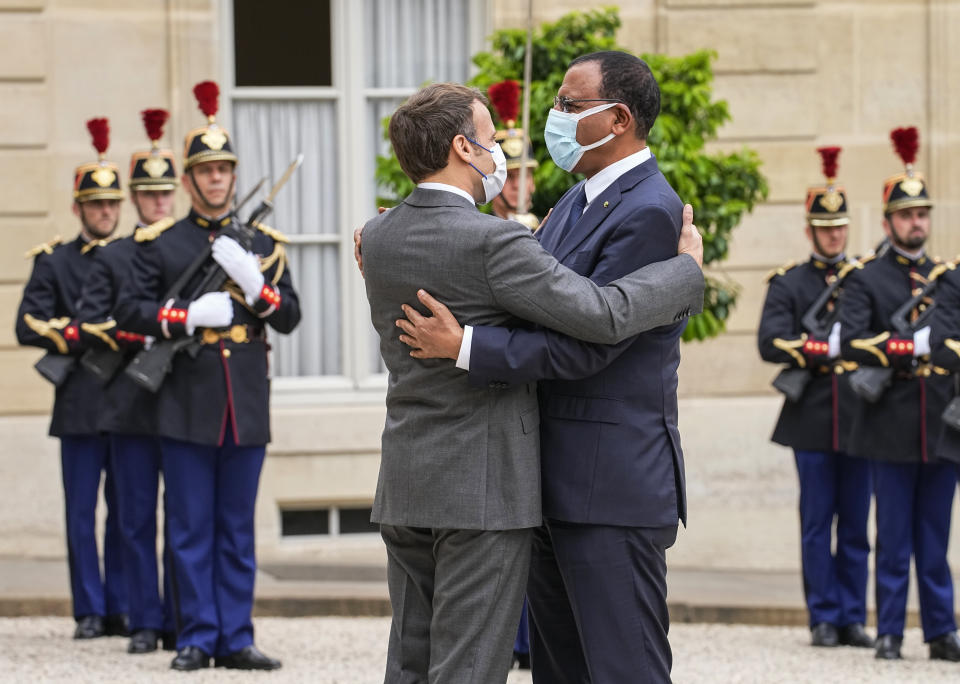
(482, 148)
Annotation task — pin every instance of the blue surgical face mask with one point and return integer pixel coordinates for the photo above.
(560, 134)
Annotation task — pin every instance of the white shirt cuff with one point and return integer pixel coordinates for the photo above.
(463, 358)
(921, 341)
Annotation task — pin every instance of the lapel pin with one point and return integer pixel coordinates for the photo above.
(606, 204)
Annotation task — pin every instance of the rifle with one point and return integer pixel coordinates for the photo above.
(104, 363)
(818, 320)
(56, 367)
(870, 382)
(150, 367)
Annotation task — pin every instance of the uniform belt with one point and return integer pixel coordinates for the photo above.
(839, 368)
(922, 371)
(238, 334)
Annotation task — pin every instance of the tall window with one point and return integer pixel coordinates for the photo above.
(318, 77)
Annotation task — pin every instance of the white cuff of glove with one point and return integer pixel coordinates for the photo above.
(242, 266)
(833, 341)
(921, 341)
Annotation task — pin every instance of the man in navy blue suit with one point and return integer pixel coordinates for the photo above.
(611, 462)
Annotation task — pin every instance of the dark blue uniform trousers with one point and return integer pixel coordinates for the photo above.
(598, 604)
(136, 471)
(82, 459)
(914, 502)
(210, 497)
(834, 486)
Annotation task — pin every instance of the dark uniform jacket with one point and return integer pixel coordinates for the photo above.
(945, 349)
(905, 423)
(228, 381)
(47, 318)
(127, 408)
(821, 419)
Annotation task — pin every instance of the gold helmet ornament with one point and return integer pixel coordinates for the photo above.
(827, 204)
(153, 169)
(210, 142)
(99, 179)
(906, 189)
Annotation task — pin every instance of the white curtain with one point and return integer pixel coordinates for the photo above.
(268, 136)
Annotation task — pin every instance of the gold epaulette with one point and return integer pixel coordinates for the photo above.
(864, 260)
(940, 269)
(272, 233)
(152, 232)
(45, 248)
(779, 271)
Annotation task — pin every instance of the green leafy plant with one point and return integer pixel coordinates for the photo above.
(721, 186)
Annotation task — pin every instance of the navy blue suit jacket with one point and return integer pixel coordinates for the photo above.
(610, 447)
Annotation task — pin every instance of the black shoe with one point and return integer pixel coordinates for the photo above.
(888, 647)
(824, 634)
(190, 658)
(854, 635)
(946, 647)
(143, 641)
(248, 658)
(521, 660)
(116, 625)
(169, 641)
(89, 627)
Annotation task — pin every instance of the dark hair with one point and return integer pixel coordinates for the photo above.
(423, 127)
(628, 79)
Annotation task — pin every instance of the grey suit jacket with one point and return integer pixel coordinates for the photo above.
(457, 456)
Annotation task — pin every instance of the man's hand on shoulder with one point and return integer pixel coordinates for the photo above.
(432, 337)
(357, 238)
(691, 242)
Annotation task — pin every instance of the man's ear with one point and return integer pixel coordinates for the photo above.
(624, 120)
(76, 209)
(461, 147)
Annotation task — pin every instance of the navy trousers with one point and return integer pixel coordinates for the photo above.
(210, 497)
(136, 471)
(82, 459)
(914, 502)
(598, 604)
(834, 486)
(521, 644)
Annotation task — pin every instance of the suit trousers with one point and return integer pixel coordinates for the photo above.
(136, 469)
(210, 496)
(83, 458)
(598, 604)
(834, 486)
(914, 502)
(456, 597)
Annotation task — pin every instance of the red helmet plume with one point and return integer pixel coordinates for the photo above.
(207, 94)
(828, 156)
(505, 97)
(906, 141)
(153, 121)
(100, 131)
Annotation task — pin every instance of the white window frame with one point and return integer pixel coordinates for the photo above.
(356, 383)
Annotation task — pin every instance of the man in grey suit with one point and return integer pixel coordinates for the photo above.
(458, 494)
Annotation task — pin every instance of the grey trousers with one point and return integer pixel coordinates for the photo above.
(456, 597)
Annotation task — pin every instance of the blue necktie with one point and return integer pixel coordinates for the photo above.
(576, 211)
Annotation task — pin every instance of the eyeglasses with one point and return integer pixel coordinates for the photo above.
(562, 102)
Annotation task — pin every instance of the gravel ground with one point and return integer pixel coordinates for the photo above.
(351, 651)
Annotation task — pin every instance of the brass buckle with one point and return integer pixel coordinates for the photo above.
(238, 334)
(210, 336)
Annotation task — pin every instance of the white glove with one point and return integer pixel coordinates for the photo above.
(833, 341)
(921, 341)
(212, 310)
(242, 266)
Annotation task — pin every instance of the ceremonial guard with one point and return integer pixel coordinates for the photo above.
(129, 411)
(798, 328)
(899, 420)
(47, 318)
(213, 406)
(505, 97)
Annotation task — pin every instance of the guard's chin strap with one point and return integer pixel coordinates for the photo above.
(199, 192)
